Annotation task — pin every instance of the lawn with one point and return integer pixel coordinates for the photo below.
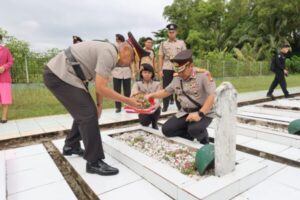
(32, 101)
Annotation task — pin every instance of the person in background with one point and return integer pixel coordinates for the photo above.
(147, 85)
(167, 50)
(6, 62)
(148, 46)
(278, 67)
(122, 76)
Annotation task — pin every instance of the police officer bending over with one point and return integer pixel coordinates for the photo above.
(67, 75)
(147, 85)
(196, 92)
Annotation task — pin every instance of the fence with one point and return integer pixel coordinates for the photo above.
(30, 70)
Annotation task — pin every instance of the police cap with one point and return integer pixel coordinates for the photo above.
(182, 59)
(171, 27)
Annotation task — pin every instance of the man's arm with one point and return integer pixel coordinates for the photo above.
(158, 95)
(102, 90)
(208, 104)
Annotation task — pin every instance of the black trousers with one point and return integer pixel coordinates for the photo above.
(126, 89)
(82, 108)
(145, 120)
(167, 79)
(279, 79)
(189, 130)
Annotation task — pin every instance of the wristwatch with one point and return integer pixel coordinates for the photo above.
(201, 114)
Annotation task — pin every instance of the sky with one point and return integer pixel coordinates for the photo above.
(49, 24)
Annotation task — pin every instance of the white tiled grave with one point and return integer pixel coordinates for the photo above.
(32, 174)
(2, 176)
(120, 186)
(174, 183)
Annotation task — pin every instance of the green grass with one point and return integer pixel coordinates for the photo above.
(38, 101)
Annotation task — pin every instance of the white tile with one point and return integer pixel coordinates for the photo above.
(141, 190)
(273, 167)
(27, 126)
(2, 176)
(289, 176)
(24, 151)
(240, 139)
(28, 163)
(101, 184)
(273, 191)
(58, 191)
(265, 146)
(291, 153)
(25, 180)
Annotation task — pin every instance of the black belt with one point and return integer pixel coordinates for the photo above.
(77, 68)
(190, 110)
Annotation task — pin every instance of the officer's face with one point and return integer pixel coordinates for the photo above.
(148, 44)
(172, 34)
(146, 75)
(186, 73)
(285, 50)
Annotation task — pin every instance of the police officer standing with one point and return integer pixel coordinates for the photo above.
(196, 92)
(147, 85)
(148, 44)
(67, 75)
(167, 50)
(121, 76)
(278, 67)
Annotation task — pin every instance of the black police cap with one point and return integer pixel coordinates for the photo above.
(171, 27)
(183, 57)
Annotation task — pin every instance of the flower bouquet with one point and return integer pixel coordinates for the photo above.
(148, 106)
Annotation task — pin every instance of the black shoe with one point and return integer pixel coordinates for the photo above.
(101, 168)
(164, 109)
(118, 110)
(3, 121)
(68, 151)
(271, 96)
(204, 140)
(288, 96)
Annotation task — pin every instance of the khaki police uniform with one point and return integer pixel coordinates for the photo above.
(147, 88)
(60, 78)
(168, 49)
(198, 87)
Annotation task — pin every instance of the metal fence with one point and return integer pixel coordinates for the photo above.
(30, 70)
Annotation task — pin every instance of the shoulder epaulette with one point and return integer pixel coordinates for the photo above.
(206, 72)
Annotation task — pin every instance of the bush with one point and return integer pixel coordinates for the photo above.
(293, 64)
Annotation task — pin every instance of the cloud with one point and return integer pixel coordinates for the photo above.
(48, 24)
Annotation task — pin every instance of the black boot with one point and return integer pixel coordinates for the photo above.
(154, 125)
(101, 168)
(205, 140)
(68, 151)
(271, 96)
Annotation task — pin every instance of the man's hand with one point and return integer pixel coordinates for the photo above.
(286, 72)
(133, 102)
(193, 117)
(148, 96)
(99, 111)
(2, 69)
